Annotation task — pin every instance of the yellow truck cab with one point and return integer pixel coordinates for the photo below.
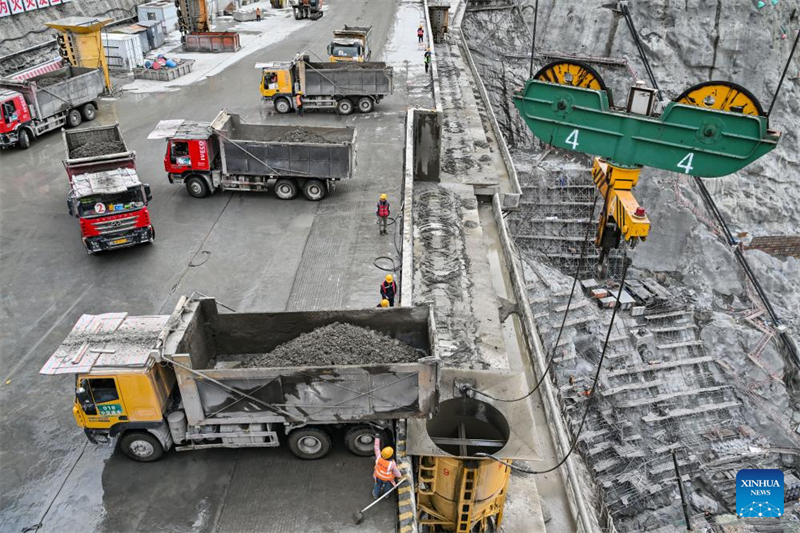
(351, 43)
(120, 390)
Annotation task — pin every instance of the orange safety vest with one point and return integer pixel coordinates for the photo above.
(298, 100)
(383, 469)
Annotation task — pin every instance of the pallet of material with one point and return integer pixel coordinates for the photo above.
(165, 74)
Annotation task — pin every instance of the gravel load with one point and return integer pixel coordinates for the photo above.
(302, 135)
(47, 82)
(335, 344)
(95, 148)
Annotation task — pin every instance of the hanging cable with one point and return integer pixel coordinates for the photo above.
(625, 264)
(623, 7)
(783, 76)
(552, 354)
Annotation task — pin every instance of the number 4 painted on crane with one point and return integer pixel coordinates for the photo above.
(686, 163)
(572, 139)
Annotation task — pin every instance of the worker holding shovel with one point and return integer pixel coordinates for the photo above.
(386, 470)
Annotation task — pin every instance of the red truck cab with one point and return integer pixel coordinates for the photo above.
(14, 114)
(189, 158)
(112, 208)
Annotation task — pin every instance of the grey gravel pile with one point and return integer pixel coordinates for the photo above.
(95, 148)
(47, 82)
(301, 135)
(335, 344)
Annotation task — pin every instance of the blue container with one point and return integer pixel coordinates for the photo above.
(171, 63)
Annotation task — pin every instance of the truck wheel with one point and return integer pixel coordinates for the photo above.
(360, 440)
(282, 106)
(366, 104)
(89, 112)
(24, 139)
(314, 190)
(141, 446)
(309, 443)
(197, 187)
(285, 189)
(74, 118)
(344, 107)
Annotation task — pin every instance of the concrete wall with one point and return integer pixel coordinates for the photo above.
(427, 144)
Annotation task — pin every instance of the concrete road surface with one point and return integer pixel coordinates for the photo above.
(252, 251)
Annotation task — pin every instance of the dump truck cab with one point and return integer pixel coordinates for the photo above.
(277, 79)
(112, 208)
(191, 153)
(351, 43)
(14, 114)
(121, 393)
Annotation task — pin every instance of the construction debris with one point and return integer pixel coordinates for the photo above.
(92, 148)
(335, 344)
(302, 135)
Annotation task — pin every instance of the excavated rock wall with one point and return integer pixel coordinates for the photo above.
(18, 32)
(687, 43)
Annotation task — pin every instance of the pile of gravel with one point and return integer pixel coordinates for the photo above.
(47, 82)
(301, 135)
(96, 148)
(335, 344)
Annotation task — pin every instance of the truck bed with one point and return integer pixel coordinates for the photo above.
(284, 151)
(96, 150)
(347, 79)
(300, 394)
(60, 90)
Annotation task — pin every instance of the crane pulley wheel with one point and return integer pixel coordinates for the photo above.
(722, 96)
(574, 73)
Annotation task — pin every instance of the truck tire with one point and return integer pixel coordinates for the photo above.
(360, 440)
(344, 107)
(89, 112)
(314, 190)
(197, 187)
(74, 118)
(297, 14)
(282, 105)
(285, 189)
(141, 446)
(24, 139)
(366, 104)
(309, 443)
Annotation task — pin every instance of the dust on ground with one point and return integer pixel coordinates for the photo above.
(335, 344)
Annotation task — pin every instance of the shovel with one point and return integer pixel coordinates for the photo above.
(360, 515)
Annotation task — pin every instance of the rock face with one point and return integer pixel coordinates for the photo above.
(18, 32)
(687, 43)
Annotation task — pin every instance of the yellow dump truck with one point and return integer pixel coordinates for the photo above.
(351, 43)
(334, 86)
(183, 381)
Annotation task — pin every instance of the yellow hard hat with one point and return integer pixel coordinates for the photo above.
(387, 452)
(383, 197)
(389, 278)
(384, 303)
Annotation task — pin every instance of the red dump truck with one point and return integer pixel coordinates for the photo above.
(230, 154)
(106, 194)
(30, 108)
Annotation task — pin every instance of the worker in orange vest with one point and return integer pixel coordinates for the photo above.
(383, 213)
(386, 470)
(389, 289)
(298, 103)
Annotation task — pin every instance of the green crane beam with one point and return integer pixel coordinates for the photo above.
(684, 138)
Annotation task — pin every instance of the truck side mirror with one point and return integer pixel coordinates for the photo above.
(71, 206)
(147, 193)
(330, 49)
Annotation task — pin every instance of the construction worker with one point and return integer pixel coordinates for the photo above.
(298, 103)
(427, 59)
(384, 303)
(383, 213)
(389, 289)
(258, 14)
(420, 33)
(386, 470)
